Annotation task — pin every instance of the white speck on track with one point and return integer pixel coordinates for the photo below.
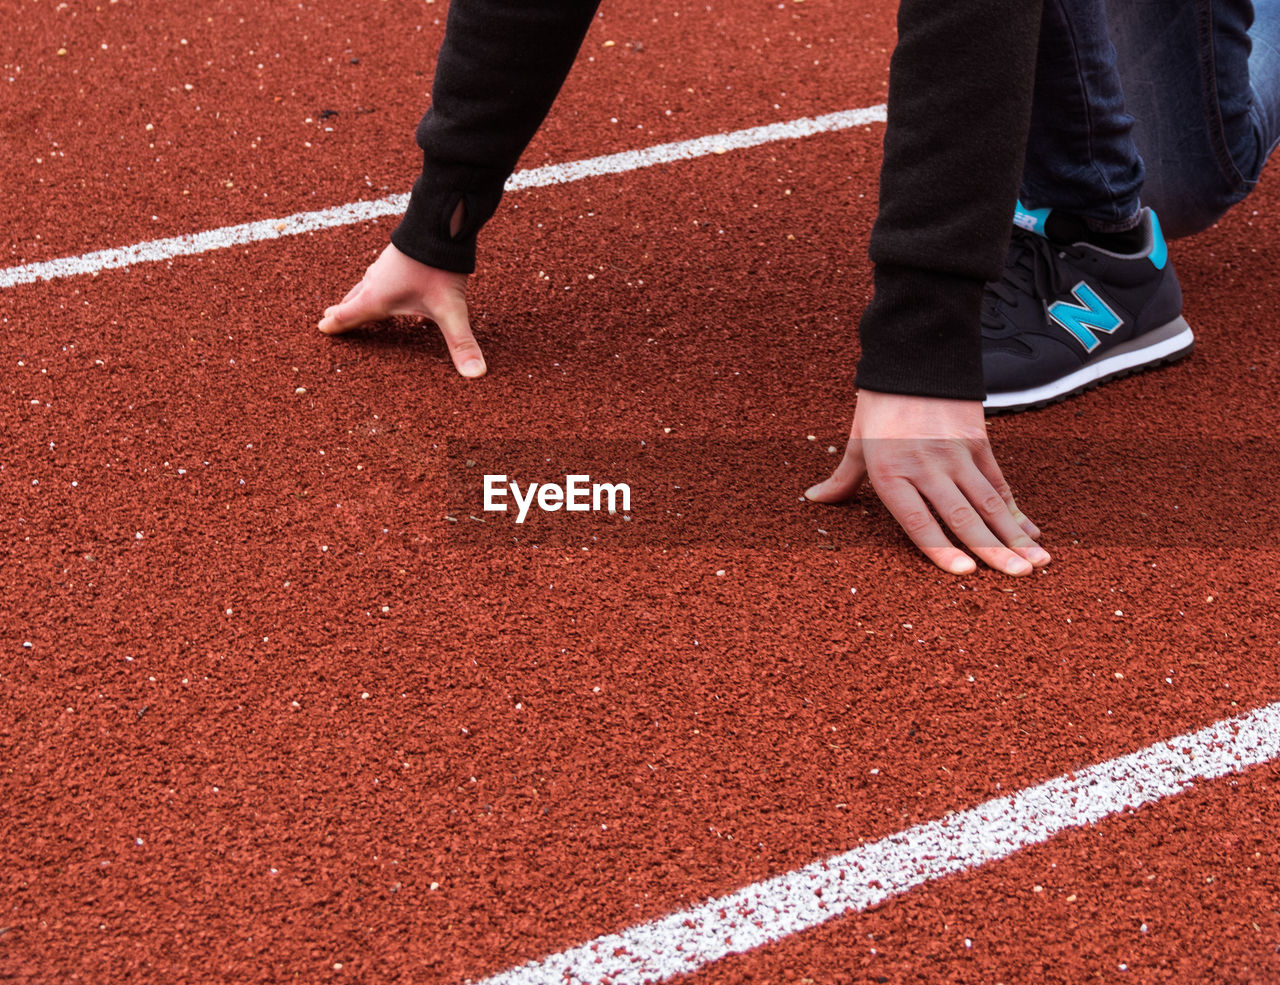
(355, 212)
(777, 908)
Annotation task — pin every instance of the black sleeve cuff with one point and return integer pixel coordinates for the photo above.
(921, 335)
(423, 233)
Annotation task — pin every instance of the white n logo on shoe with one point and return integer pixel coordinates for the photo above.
(1089, 314)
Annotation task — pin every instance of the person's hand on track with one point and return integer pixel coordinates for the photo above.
(926, 453)
(396, 284)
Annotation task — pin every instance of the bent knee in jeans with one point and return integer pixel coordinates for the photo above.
(1189, 197)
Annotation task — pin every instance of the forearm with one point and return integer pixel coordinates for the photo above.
(960, 90)
(500, 67)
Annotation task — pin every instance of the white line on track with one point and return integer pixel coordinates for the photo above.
(345, 215)
(777, 908)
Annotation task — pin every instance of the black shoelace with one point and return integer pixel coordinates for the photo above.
(1030, 273)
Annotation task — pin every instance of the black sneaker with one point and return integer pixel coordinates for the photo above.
(1067, 316)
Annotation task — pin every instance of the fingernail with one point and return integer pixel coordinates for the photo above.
(1029, 549)
(1019, 566)
(962, 566)
(473, 368)
(811, 492)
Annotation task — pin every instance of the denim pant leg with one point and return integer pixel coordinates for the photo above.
(1202, 80)
(1081, 154)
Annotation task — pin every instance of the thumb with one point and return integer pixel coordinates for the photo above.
(845, 481)
(351, 312)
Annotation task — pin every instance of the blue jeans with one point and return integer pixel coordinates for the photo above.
(1174, 103)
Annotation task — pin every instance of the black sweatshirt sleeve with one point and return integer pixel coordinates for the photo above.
(960, 87)
(960, 90)
(500, 67)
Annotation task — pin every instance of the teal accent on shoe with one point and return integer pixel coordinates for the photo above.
(1091, 312)
(1032, 220)
(1159, 248)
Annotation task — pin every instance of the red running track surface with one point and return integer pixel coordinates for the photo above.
(585, 726)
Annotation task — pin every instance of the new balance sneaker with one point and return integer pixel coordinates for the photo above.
(1067, 315)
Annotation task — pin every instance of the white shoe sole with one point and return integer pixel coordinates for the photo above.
(1166, 344)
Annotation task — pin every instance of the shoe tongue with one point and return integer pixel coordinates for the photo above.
(1032, 220)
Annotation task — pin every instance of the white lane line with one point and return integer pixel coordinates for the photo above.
(345, 215)
(684, 150)
(776, 908)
